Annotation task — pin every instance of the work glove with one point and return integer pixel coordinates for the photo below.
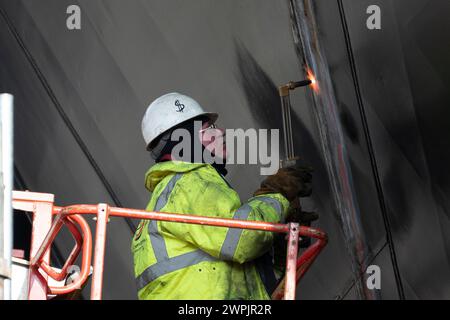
(291, 182)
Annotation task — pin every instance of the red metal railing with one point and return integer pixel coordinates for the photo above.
(48, 220)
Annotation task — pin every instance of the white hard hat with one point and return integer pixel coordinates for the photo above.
(167, 112)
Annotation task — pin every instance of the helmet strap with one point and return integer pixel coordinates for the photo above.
(156, 151)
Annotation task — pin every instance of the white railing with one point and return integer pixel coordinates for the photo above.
(6, 184)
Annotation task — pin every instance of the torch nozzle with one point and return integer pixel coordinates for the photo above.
(291, 85)
(298, 84)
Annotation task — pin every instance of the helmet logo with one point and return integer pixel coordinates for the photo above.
(179, 105)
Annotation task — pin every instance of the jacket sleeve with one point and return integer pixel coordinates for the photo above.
(195, 195)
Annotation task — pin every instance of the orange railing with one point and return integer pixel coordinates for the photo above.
(48, 220)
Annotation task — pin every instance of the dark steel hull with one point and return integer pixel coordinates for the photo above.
(80, 96)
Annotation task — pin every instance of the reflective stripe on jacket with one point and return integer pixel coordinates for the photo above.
(187, 261)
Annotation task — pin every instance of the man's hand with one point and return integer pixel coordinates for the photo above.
(291, 182)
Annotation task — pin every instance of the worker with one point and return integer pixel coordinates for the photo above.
(190, 261)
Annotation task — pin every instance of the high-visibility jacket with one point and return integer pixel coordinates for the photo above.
(188, 261)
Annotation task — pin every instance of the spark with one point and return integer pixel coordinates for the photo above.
(311, 77)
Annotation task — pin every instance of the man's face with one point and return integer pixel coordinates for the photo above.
(213, 139)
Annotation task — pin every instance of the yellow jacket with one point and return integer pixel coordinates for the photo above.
(187, 261)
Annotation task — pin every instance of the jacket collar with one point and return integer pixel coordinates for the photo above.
(162, 169)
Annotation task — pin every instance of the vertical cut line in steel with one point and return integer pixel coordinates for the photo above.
(370, 149)
(325, 109)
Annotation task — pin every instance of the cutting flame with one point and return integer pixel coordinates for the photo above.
(311, 77)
